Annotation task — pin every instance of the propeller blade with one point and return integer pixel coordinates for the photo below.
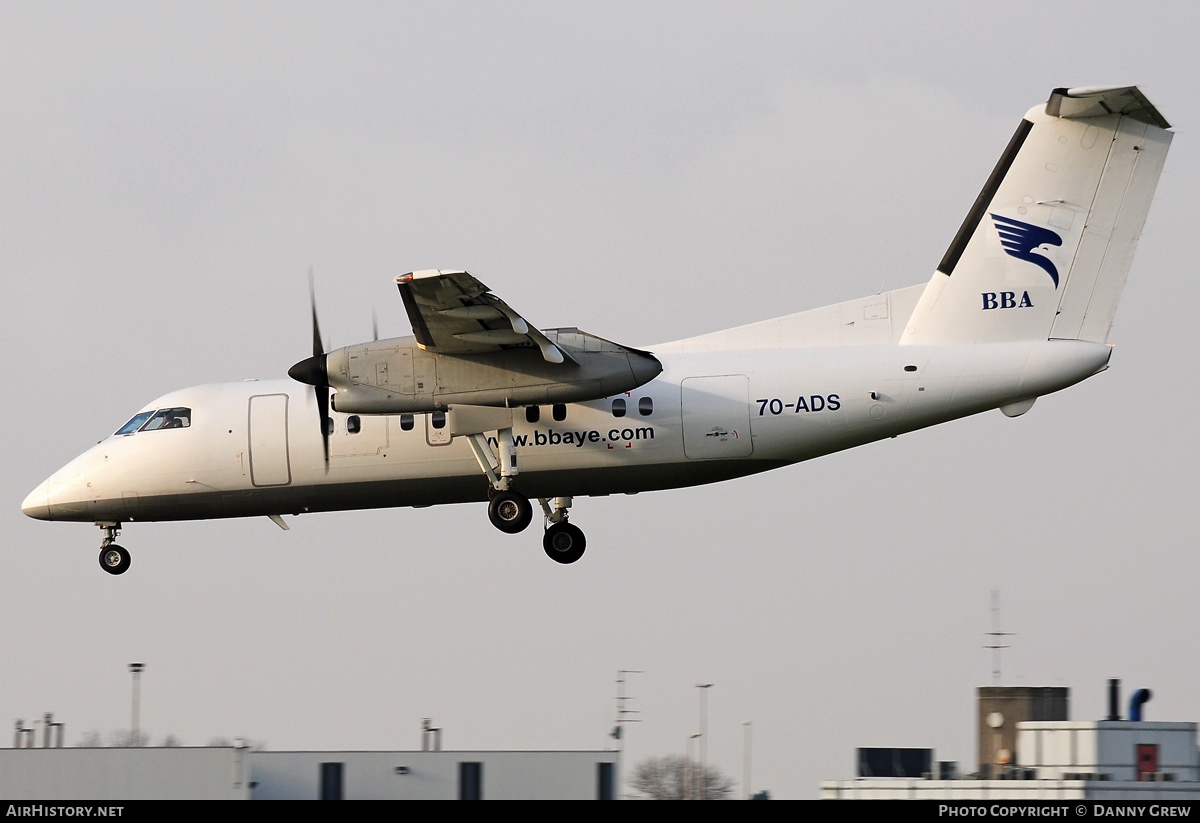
(318, 346)
(314, 372)
(323, 413)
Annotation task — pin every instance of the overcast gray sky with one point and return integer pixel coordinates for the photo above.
(645, 171)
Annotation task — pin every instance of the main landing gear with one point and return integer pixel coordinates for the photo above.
(113, 558)
(563, 542)
(511, 512)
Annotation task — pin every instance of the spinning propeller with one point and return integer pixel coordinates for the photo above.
(313, 371)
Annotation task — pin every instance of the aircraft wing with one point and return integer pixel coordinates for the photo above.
(453, 313)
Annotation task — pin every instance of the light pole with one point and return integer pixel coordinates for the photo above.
(689, 771)
(746, 760)
(136, 670)
(704, 687)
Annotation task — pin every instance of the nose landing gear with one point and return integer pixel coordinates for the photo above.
(113, 558)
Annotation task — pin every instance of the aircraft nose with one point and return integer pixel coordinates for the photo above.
(37, 502)
(63, 495)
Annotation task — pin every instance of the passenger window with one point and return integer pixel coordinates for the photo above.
(406, 422)
(353, 424)
(329, 426)
(618, 407)
(438, 419)
(645, 406)
(532, 413)
(559, 411)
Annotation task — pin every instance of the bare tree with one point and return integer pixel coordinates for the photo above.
(674, 777)
(91, 740)
(127, 739)
(123, 739)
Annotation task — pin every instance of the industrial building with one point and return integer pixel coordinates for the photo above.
(239, 773)
(1030, 750)
(434, 775)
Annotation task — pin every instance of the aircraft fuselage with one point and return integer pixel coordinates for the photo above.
(253, 448)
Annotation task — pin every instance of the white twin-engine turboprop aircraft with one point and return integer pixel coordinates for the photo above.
(480, 405)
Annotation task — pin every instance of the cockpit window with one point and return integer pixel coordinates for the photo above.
(176, 418)
(135, 423)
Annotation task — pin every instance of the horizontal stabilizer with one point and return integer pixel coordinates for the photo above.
(1097, 102)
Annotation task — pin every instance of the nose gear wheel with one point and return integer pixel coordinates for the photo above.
(114, 559)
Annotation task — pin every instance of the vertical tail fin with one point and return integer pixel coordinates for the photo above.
(1045, 250)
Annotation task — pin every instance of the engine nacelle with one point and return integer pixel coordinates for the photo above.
(397, 375)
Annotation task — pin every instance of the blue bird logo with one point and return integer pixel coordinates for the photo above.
(1025, 241)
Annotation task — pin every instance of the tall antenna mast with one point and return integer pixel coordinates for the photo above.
(995, 634)
(624, 715)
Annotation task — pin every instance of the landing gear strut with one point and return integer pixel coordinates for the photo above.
(511, 512)
(508, 509)
(113, 558)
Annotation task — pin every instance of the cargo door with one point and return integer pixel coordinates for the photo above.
(716, 417)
